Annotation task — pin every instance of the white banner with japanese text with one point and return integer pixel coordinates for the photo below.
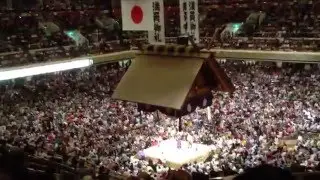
(158, 35)
(189, 18)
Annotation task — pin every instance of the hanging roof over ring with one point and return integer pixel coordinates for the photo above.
(164, 80)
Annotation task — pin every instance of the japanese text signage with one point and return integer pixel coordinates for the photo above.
(158, 35)
(189, 18)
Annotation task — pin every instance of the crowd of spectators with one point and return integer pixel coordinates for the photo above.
(288, 25)
(70, 119)
(71, 115)
(39, 35)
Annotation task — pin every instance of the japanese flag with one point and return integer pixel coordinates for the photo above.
(137, 15)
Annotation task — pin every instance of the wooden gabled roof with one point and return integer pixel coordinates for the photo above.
(162, 76)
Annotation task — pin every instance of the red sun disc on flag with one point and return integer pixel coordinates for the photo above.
(136, 14)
